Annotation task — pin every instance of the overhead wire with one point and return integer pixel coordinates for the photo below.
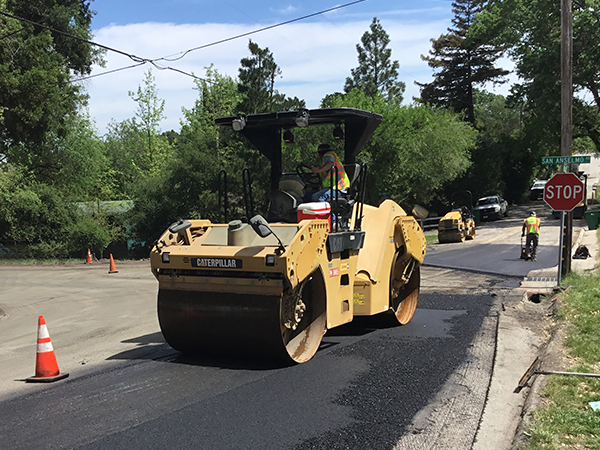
(107, 72)
(141, 61)
(283, 37)
(87, 41)
(270, 27)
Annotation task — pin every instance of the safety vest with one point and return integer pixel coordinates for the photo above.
(532, 224)
(343, 180)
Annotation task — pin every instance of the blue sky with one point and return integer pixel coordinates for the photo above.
(315, 55)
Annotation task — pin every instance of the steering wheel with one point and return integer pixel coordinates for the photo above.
(305, 173)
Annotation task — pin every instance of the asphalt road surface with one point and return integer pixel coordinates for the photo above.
(362, 390)
(497, 246)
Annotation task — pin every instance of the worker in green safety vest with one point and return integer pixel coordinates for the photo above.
(329, 160)
(531, 227)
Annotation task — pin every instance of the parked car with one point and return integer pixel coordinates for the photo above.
(491, 207)
(537, 190)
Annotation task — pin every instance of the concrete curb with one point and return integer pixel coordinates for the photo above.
(551, 355)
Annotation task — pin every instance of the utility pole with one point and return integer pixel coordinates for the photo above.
(566, 111)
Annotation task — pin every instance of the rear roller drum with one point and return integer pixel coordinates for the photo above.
(451, 236)
(303, 318)
(404, 297)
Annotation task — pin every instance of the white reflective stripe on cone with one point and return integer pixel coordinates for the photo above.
(43, 332)
(44, 347)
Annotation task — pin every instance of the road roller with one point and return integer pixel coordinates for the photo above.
(458, 224)
(270, 288)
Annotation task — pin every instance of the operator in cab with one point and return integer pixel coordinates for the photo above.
(328, 160)
(531, 227)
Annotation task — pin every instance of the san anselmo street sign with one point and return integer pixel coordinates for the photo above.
(555, 160)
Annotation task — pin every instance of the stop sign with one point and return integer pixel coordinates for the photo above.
(563, 192)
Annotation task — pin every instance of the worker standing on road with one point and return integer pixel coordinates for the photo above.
(531, 226)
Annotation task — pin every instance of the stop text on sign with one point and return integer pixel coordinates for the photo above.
(564, 192)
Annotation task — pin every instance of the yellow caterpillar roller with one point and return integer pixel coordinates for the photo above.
(458, 224)
(272, 288)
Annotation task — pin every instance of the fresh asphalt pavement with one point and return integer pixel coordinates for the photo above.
(496, 248)
(371, 385)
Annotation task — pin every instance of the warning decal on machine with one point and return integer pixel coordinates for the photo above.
(217, 263)
(359, 298)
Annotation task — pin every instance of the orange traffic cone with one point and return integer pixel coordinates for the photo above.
(112, 268)
(46, 367)
(88, 260)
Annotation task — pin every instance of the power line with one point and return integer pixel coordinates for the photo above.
(107, 72)
(31, 22)
(141, 61)
(287, 22)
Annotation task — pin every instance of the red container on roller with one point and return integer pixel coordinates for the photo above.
(315, 210)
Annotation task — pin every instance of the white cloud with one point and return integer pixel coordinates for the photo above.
(315, 59)
(290, 9)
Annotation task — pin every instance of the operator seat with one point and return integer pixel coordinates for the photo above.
(353, 172)
(283, 207)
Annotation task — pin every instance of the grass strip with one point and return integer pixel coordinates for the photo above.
(566, 420)
(431, 238)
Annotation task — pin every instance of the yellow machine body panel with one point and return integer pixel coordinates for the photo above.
(388, 232)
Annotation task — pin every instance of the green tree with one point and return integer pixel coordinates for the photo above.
(81, 161)
(187, 187)
(414, 152)
(136, 148)
(376, 72)
(460, 62)
(218, 96)
(36, 69)
(38, 221)
(522, 26)
(148, 116)
(122, 144)
(257, 76)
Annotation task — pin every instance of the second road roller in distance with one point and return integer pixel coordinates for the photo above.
(458, 224)
(272, 289)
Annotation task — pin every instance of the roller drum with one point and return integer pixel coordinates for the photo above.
(247, 325)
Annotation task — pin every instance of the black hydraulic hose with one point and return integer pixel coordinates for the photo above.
(362, 191)
(334, 196)
(248, 200)
(223, 207)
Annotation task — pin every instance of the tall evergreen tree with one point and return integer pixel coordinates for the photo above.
(460, 62)
(257, 76)
(376, 72)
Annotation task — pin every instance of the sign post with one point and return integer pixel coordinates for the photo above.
(563, 192)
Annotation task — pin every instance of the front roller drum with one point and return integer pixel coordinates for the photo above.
(287, 327)
(451, 236)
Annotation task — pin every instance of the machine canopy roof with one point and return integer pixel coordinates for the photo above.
(264, 130)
